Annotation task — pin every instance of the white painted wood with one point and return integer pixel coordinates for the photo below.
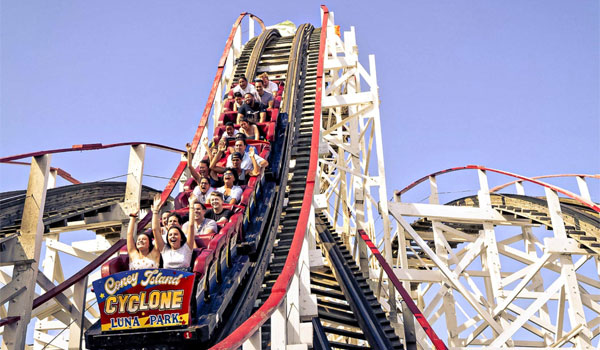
(347, 100)
(452, 278)
(417, 275)
(279, 327)
(254, 342)
(584, 191)
(446, 213)
(78, 315)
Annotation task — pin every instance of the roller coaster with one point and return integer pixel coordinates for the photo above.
(315, 255)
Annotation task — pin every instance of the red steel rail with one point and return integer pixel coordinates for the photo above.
(498, 188)
(168, 189)
(60, 172)
(567, 193)
(87, 147)
(279, 290)
(435, 340)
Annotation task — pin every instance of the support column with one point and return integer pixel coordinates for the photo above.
(133, 188)
(78, 314)
(30, 242)
(576, 313)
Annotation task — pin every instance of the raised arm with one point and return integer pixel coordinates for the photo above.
(191, 228)
(255, 168)
(222, 147)
(131, 248)
(190, 157)
(156, 231)
(255, 130)
(207, 148)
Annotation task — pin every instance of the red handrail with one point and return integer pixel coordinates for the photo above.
(9, 320)
(87, 147)
(279, 290)
(168, 189)
(60, 172)
(437, 342)
(567, 193)
(498, 188)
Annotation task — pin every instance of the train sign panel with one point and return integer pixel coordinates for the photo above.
(144, 299)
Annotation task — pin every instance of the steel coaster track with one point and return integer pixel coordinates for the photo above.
(261, 42)
(301, 111)
(346, 303)
(280, 213)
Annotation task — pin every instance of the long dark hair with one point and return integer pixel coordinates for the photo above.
(183, 237)
(150, 244)
(236, 177)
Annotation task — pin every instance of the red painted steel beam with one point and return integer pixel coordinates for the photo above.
(87, 147)
(165, 194)
(498, 188)
(79, 275)
(567, 193)
(9, 320)
(59, 172)
(435, 340)
(279, 289)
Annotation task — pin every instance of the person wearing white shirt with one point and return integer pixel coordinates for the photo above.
(269, 85)
(243, 87)
(240, 146)
(204, 226)
(203, 190)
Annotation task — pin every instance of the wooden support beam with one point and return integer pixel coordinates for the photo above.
(30, 241)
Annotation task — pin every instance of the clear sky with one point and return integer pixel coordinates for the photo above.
(512, 85)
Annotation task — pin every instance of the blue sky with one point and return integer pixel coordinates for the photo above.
(511, 85)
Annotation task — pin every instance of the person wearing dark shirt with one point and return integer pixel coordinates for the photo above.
(253, 110)
(217, 212)
(262, 95)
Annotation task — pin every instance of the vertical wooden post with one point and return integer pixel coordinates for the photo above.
(133, 188)
(279, 327)
(254, 342)
(30, 241)
(77, 314)
(576, 312)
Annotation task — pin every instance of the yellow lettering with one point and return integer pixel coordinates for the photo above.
(165, 300)
(154, 299)
(143, 305)
(122, 302)
(109, 307)
(132, 305)
(177, 299)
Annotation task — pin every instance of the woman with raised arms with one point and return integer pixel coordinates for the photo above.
(177, 250)
(142, 254)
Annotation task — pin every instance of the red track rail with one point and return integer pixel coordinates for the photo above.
(437, 342)
(569, 194)
(498, 188)
(279, 290)
(87, 147)
(59, 172)
(170, 186)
